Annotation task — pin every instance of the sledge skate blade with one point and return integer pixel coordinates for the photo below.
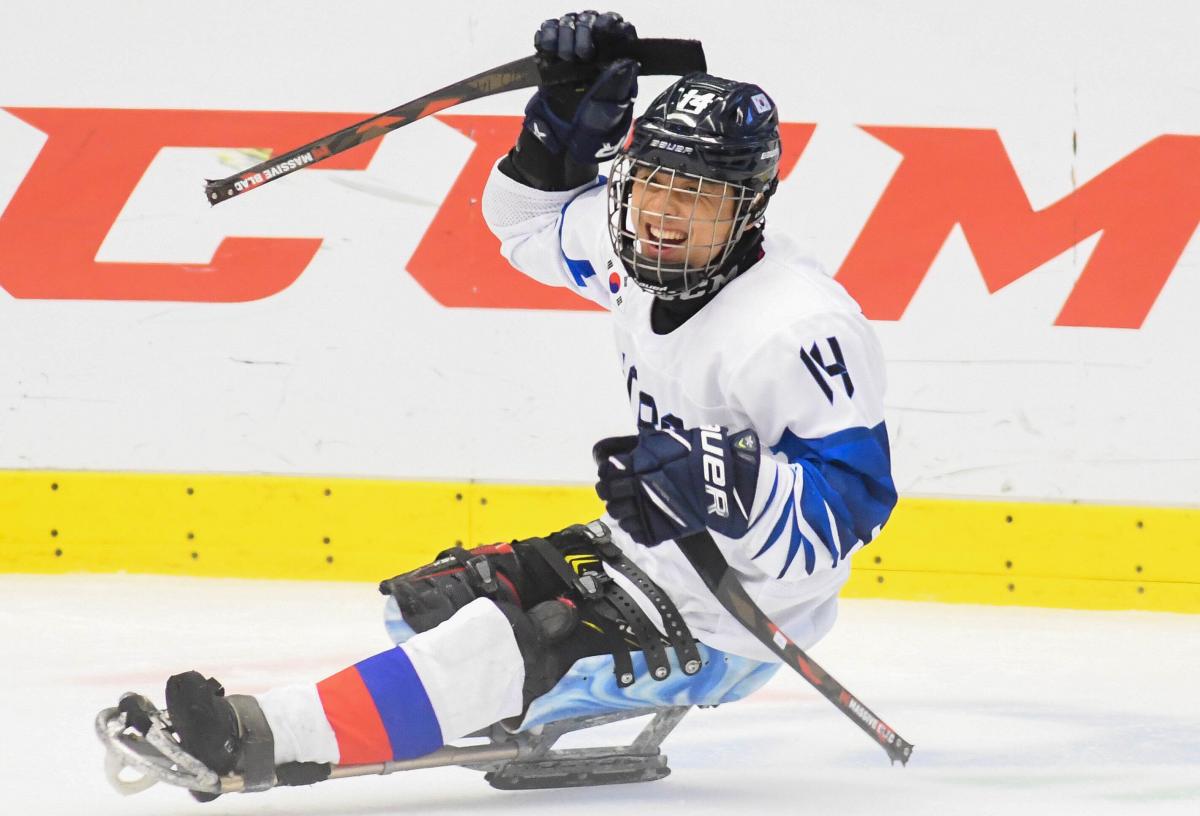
(589, 769)
(144, 752)
(540, 765)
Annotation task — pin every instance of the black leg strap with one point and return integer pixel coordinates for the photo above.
(612, 605)
(622, 662)
(677, 631)
(648, 637)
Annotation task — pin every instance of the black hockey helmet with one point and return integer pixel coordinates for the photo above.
(705, 140)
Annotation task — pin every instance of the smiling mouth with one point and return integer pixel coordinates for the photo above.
(666, 237)
(660, 242)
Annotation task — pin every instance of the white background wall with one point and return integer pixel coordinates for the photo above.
(360, 371)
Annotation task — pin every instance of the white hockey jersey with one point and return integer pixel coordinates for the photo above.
(782, 349)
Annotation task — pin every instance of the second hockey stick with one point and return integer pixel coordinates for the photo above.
(700, 549)
(656, 57)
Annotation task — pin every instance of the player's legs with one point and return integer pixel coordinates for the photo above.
(524, 633)
(454, 679)
(441, 684)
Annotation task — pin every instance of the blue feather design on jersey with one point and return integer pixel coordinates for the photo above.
(815, 512)
(766, 504)
(850, 471)
(798, 541)
(777, 531)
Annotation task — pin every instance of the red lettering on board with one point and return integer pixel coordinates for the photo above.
(91, 162)
(1147, 205)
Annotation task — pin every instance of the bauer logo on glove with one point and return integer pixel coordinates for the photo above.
(661, 485)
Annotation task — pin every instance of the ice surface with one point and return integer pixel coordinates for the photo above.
(1021, 711)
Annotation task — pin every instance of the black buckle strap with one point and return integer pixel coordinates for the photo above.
(614, 606)
(478, 569)
(482, 575)
(589, 585)
(677, 630)
(642, 629)
(622, 662)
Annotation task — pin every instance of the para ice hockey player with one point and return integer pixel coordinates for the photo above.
(756, 385)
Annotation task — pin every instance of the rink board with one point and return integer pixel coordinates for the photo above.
(951, 550)
(1011, 190)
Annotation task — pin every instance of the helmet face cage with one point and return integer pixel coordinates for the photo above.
(647, 201)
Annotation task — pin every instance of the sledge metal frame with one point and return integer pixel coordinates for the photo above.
(511, 760)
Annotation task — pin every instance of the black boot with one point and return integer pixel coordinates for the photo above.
(227, 734)
(204, 720)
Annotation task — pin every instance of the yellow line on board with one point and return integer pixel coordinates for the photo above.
(254, 526)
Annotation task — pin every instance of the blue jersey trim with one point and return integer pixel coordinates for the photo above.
(777, 531)
(814, 510)
(851, 472)
(767, 503)
(581, 269)
(798, 541)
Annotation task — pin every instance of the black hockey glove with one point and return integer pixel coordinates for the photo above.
(661, 485)
(584, 118)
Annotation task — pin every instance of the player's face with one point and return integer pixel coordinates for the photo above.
(681, 220)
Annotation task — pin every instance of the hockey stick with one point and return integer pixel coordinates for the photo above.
(700, 549)
(657, 57)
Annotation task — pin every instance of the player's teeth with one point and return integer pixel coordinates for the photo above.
(667, 234)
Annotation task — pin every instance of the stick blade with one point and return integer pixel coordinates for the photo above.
(659, 57)
(212, 191)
